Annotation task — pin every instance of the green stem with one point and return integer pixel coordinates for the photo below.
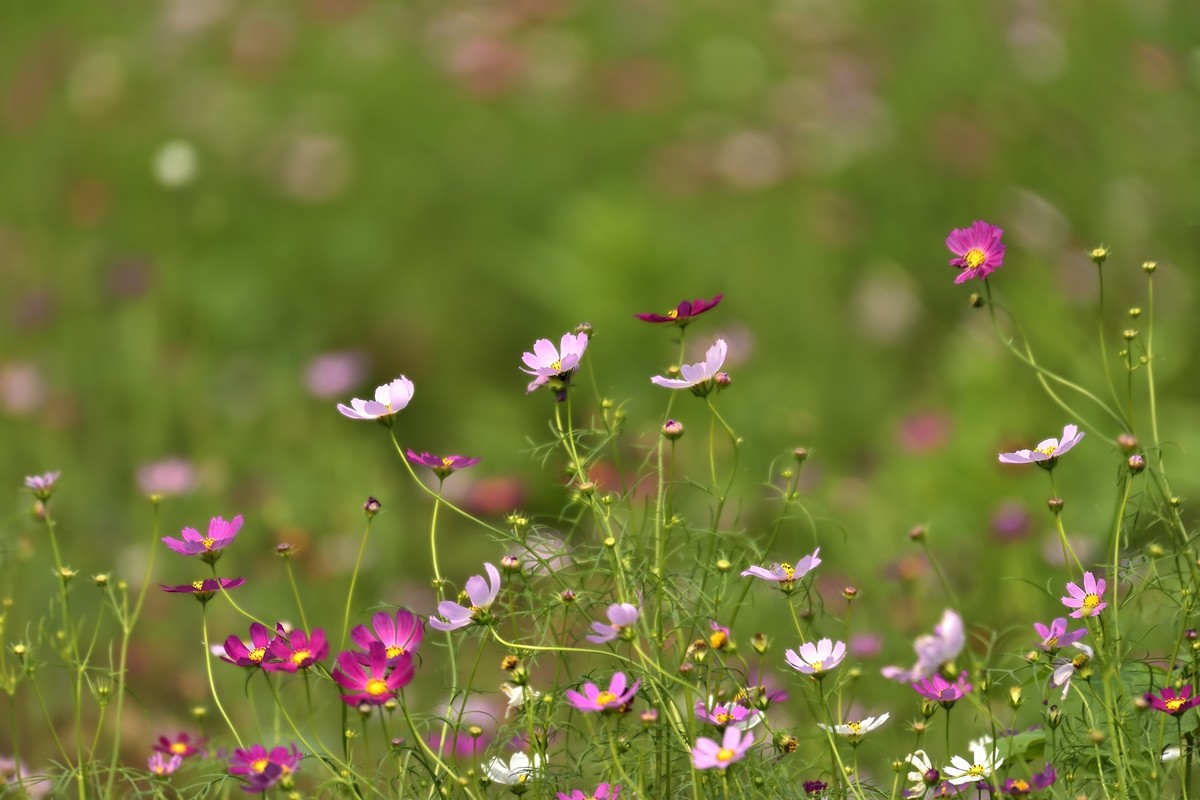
(353, 580)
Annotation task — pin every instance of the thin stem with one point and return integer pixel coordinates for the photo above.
(212, 686)
(354, 579)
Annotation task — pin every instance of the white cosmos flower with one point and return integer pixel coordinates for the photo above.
(701, 374)
(816, 659)
(516, 771)
(985, 759)
(854, 731)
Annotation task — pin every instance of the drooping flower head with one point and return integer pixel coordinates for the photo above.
(203, 590)
(923, 774)
(977, 250)
(401, 634)
(42, 485)
(985, 759)
(162, 765)
(816, 659)
(616, 697)
(1019, 787)
(943, 646)
(1046, 453)
(943, 691)
(390, 399)
(854, 731)
(603, 792)
(368, 678)
(1172, 702)
(548, 362)
(261, 768)
(699, 377)
(294, 650)
(220, 535)
(725, 714)
(256, 654)
(1067, 668)
(183, 745)
(621, 617)
(683, 313)
(1088, 601)
(442, 466)
(709, 754)
(480, 593)
(1056, 636)
(785, 574)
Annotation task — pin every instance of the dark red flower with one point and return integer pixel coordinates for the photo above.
(683, 313)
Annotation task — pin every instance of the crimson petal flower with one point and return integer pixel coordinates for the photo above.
(205, 589)
(977, 250)
(368, 678)
(1171, 702)
(263, 769)
(238, 654)
(683, 313)
(442, 466)
(400, 634)
(183, 745)
(296, 650)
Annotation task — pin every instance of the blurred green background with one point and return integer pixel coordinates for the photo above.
(219, 218)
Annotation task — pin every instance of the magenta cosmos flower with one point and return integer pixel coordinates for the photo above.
(1172, 702)
(1056, 635)
(42, 485)
(162, 765)
(977, 250)
(546, 361)
(442, 466)
(683, 313)
(615, 698)
(725, 714)
(389, 399)
(401, 634)
(621, 617)
(240, 654)
(295, 650)
(1019, 787)
(262, 768)
(1047, 451)
(708, 754)
(699, 376)
(603, 792)
(1088, 601)
(183, 745)
(481, 593)
(368, 678)
(943, 691)
(816, 659)
(785, 574)
(205, 589)
(220, 535)
(946, 642)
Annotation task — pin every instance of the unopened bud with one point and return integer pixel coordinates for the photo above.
(723, 565)
(567, 596)
(1054, 717)
(976, 300)
(849, 592)
(1055, 504)
(800, 454)
(1015, 700)
(760, 642)
(1098, 254)
(1127, 442)
(284, 550)
(722, 380)
(917, 533)
(1135, 312)
(687, 668)
(1096, 736)
(364, 709)
(372, 506)
(649, 717)
(1129, 334)
(1148, 267)
(510, 564)
(1137, 463)
(584, 328)
(101, 580)
(1174, 502)
(672, 429)
(199, 712)
(67, 574)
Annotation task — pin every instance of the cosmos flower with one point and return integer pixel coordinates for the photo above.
(785, 574)
(1056, 635)
(262, 768)
(546, 361)
(481, 594)
(923, 774)
(1019, 787)
(1088, 601)
(220, 535)
(389, 399)
(368, 678)
(603, 792)
(1047, 451)
(401, 633)
(254, 655)
(621, 617)
(698, 377)
(708, 754)
(183, 745)
(295, 650)
(720, 637)
(1171, 702)
(516, 771)
(943, 691)
(442, 466)
(683, 313)
(985, 759)
(816, 659)
(615, 698)
(1066, 668)
(42, 485)
(162, 765)
(204, 590)
(727, 714)
(854, 731)
(170, 476)
(977, 250)
(933, 651)
(517, 695)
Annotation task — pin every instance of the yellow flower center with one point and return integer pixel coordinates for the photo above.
(447, 462)
(160, 769)
(556, 366)
(788, 570)
(817, 666)
(395, 651)
(1175, 704)
(1020, 786)
(197, 585)
(725, 754)
(855, 728)
(376, 687)
(977, 771)
(724, 718)
(260, 765)
(717, 640)
(257, 654)
(207, 541)
(673, 314)
(1090, 602)
(300, 656)
(1052, 641)
(178, 747)
(974, 257)
(1078, 661)
(604, 698)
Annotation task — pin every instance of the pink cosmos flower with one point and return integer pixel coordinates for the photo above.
(42, 485)
(170, 476)
(1056, 636)
(1047, 451)
(1171, 702)
(785, 574)
(546, 361)
(460, 744)
(698, 377)
(205, 589)
(163, 765)
(683, 313)
(946, 642)
(1088, 601)
(330, 374)
(816, 659)
(401, 634)
(220, 535)
(615, 698)
(368, 677)
(943, 691)
(1019, 787)
(183, 745)
(295, 650)
(977, 250)
(240, 654)
(603, 792)
(441, 466)
(725, 714)
(389, 399)
(621, 617)
(708, 754)
(263, 769)
(481, 594)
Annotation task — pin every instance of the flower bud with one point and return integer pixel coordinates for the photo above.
(1129, 334)
(1135, 312)
(1127, 442)
(686, 669)
(509, 662)
(1015, 700)
(976, 300)
(1054, 717)
(67, 574)
(1098, 254)
(722, 380)
(1055, 504)
(371, 507)
(364, 710)
(760, 643)
(723, 565)
(800, 454)
(849, 592)
(1148, 267)
(1137, 463)
(567, 596)
(101, 580)
(649, 717)
(917, 533)
(198, 713)
(284, 550)
(584, 328)
(672, 429)
(510, 564)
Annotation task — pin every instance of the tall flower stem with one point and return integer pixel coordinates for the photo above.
(212, 686)
(353, 580)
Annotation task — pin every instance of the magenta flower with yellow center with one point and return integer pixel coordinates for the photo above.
(183, 745)
(253, 654)
(368, 678)
(264, 768)
(977, 250)
(1087, 601)
(442, 466)
(400, 633)
(710, 754)
(616, 697)
(295, 650)
(683, 313)
(1171, 702)
(220, 535)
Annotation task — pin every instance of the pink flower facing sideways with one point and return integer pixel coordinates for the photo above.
(943, 691)
(1046, 453)
(42, 485)
(240, 654)
(183, 745)
(698, 377)
(977, 250)
(481, 595)
(368, 678)
(621, 617)
(683, 313)
(401, 634)
(785, 574)
(615, 698)
(442, 466)
(603, 792)
(708, 754)
(1056, 636)
(203, 590)
(816, 659)
(1171, 702)
(390, 399)
(725, 714)
(262, 769)
(162, 765)
(946, 642)
(220, 535)
(1088, 601)
(547, 361)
